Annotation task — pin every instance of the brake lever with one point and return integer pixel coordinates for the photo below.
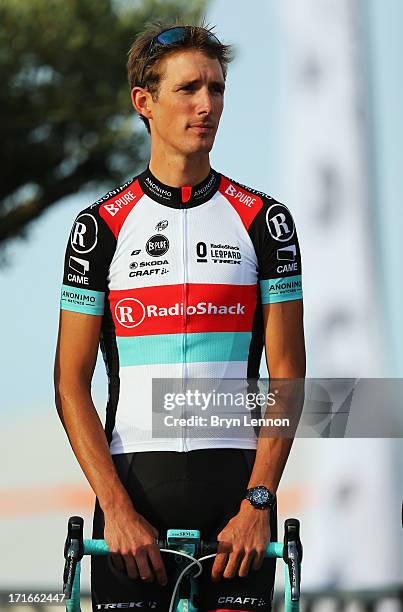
(73, 552)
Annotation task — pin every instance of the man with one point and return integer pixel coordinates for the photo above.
(179, 273)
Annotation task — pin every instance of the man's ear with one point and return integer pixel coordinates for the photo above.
(141, 101)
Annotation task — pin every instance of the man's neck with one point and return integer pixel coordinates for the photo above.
(180, 171)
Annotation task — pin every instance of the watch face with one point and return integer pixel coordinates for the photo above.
(260, 495)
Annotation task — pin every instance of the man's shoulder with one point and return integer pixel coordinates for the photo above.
(250, 195)
(105, 208)
(252, 205)
(250, 190)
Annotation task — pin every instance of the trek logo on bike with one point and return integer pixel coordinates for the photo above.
(143, 605)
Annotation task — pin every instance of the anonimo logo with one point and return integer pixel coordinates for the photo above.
(130, 312)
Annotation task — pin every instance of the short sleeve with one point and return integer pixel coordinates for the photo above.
(89, 252)
(275, 238)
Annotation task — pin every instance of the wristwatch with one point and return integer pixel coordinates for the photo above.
(260, 497)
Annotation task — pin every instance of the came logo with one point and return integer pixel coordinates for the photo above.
(287, 254)
(280, 222)
(130, 312)
(81, 266)
(157, 245)
(84, 235)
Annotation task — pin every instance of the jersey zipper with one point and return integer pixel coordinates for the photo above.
(184, 338)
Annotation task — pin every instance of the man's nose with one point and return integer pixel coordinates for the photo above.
(205, 102)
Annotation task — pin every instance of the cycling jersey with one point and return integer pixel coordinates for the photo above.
(179, 276)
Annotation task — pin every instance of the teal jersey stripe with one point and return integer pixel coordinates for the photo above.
(168, 348)
(82, 300)
(282, 289)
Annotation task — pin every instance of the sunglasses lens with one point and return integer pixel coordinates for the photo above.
(172, 36)
(175, 35)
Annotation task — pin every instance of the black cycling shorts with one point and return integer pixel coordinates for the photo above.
(200, 489)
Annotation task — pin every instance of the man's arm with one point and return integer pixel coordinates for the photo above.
(285, 358)
(126, 531)
(76, 355)
(249, 530)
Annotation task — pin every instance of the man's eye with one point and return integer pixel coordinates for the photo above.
(218, 89)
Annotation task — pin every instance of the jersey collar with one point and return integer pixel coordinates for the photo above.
(179, 197)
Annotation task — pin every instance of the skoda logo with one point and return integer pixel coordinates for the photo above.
(133, 265)
(157, 245)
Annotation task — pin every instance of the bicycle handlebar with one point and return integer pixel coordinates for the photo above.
(290, 550)
(100, 547)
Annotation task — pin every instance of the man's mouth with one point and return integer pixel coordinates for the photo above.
(202, 128)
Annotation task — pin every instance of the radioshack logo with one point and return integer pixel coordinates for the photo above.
(130, 312)
(84, 235)
(117, 204)
(280, 222)
(243, 197)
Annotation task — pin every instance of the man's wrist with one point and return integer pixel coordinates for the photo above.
(115, 500)
(260, 497)
(246, 506)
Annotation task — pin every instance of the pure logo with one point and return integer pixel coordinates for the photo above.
(280, 222)
(243, 197)
(84, 235)
(117, 204)
(157, 245)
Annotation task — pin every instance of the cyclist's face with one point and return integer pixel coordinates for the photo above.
(190, 101)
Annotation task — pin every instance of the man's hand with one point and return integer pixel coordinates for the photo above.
(132, 542)
(242, 543)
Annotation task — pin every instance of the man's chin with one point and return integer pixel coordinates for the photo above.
(204, 145)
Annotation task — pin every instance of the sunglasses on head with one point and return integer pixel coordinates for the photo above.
(172, 36)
